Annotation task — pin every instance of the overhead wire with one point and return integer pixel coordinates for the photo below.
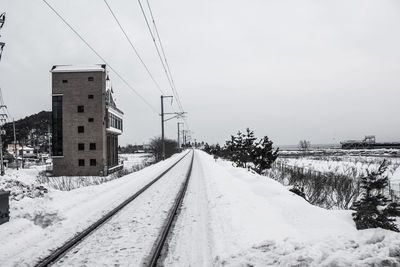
(102, 58)
(133, 47)
(163, 58)
(156, 46)
(164, 55)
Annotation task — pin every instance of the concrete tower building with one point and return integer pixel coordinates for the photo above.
(85, 121)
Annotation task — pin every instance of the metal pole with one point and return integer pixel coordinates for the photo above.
(162, 128)
(15, 145)
(178, 135)
(1, 153)
(22, 155)
(49, 142)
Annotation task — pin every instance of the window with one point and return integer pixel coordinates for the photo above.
(112, 150)
(90, 79)
(65, 81)
(81, 109)
(90, 96)
(57, 126)
(115, 121)
(92, 146)
(81, 129)
(92, 162)
(81, 162)
(81, 146)
(91, 120)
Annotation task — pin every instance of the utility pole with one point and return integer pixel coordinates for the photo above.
(2, 116)
(184, 137)
(22, 154)
(15, 145)
(49, 136)
(179, 139)
(176, 115)
(162, 127)
(2, 20)
(1, 154)
(3, 119)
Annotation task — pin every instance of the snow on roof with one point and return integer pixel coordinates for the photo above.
(79, 68)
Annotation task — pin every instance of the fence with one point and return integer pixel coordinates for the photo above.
(326, 189)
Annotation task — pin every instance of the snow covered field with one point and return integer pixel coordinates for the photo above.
(230, 217)
(355, 166)
(352, 167)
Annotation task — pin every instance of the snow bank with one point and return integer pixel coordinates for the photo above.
(396, 176)
(374, 247)
(256, 222)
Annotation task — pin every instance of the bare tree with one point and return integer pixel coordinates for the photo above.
(304, 145)
(171, 147)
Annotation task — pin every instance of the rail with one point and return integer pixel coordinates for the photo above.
(159, 245)
(61, 251)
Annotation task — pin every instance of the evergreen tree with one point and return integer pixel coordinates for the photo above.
(235, 146)
(207, 148)
(217, 150)
(374, 209)
(263, 155)
(248, 146)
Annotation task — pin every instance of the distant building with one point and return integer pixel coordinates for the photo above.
(25, 151)
(85, 121)
(11, 148)
(369, 142)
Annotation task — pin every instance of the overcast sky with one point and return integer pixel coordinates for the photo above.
(324, 71)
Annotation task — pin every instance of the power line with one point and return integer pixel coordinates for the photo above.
(157, 49)
(175, 91)
(165, 57)
(97, 54)
(133, 47)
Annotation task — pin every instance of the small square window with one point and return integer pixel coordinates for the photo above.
(91, 120)
(81, 129)
(65, 81)
(90, 79)
(81, 162)
(81, 146)
(92, 146)
(81, 109)
(90, 96)
(92, 162)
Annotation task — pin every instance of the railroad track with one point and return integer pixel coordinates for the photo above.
(155, 252)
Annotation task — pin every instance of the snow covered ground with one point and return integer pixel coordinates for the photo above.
(232, 217)
(127, 239)
(39, 225)
(352, 166)
(136, 161)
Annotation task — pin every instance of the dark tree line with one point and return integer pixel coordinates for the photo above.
(133, 149)
(246, 151)
(32, 130)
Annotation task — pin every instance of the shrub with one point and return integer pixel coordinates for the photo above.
(244, 151)
(374, 209)
(171, 147)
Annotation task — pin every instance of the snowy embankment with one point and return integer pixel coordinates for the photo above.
(232, 217)
(354, 167)
(38, 225)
